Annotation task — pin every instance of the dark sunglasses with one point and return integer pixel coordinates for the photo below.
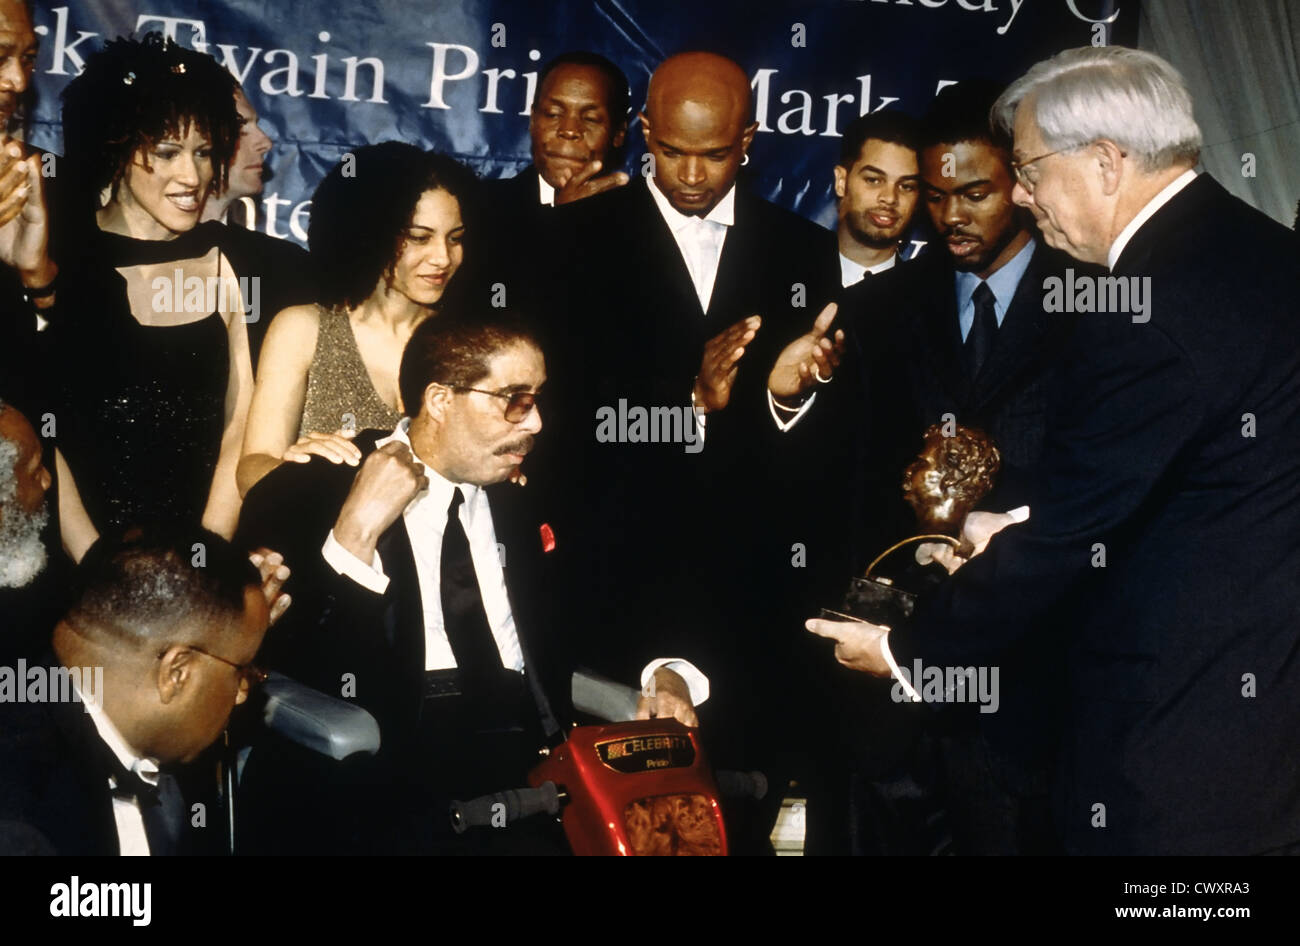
(518, 405)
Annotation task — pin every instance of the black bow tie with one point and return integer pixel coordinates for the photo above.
(162, 809)
(131, 785)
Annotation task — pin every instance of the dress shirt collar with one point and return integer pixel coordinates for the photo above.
(723, 213)
(438, 495)
(545, 192)
(131, 760)
(1145, 214)
(852, 272)
(1003, 283)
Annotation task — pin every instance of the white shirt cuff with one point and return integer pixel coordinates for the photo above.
(1019, 514)
(898, 675)
(696, 682)
(345, 563)
(792, 415)
(700, 419)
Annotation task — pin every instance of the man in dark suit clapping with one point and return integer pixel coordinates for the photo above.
(683, 284)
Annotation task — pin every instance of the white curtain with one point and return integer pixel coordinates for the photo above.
(1240, 61)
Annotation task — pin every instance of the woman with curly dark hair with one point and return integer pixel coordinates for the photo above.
(387, 234)
(157, 377)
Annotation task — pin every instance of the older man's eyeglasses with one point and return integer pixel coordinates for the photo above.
(519, 404)
(1022, 176)
(1029, 183)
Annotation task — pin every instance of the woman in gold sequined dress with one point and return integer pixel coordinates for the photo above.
(387, 231)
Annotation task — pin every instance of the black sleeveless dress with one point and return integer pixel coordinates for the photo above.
(144, 406)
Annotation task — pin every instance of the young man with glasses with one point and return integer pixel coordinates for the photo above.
(431, 590)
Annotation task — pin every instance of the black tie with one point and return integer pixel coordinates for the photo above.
(983, 331)
(162, 809)
(463, 615)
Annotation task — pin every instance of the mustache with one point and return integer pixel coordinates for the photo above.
(948, 234)
(523, 445)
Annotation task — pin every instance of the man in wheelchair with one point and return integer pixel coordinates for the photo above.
(430, 589)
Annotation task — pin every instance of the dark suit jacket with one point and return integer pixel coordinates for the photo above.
(508, 245)
(514, 199)
(1171, 449)
(336, 626)
(56, 771)
(678, 556)
(56, 777)
(297, 802)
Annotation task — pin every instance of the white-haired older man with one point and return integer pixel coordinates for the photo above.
(32, 573)
(1166, 538)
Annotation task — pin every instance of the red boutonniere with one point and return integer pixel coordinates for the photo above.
(548, 537)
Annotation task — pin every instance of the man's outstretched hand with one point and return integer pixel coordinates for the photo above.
(857, 643)
(721, 363)
(807, 357)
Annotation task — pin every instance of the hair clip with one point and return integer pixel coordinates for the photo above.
(128, 78)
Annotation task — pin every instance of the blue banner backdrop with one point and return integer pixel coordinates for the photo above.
(459, 75)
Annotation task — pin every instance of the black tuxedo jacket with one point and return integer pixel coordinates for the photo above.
(295, 801)
(515, 199)
(55, 783)
(56, 771)
(337, 627)
(1168, 515)
(678, 554)
(510, 251)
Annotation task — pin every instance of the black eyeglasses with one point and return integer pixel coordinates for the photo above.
(249, 671)
(519, 403)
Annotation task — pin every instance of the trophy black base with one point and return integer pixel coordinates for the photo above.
(876, 600)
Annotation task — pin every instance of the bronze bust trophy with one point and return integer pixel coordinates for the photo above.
(950, 475)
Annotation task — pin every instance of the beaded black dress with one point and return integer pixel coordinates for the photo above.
(144, 405)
